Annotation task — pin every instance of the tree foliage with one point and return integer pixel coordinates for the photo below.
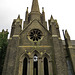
(3, 47)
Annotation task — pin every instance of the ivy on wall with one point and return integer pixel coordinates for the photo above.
(3, 47)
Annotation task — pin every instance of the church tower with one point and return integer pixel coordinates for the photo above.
(35, 50)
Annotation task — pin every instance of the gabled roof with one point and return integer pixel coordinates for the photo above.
(31, 23)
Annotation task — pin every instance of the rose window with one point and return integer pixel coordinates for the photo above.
(35, 35)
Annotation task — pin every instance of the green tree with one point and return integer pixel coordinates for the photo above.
(3, 47)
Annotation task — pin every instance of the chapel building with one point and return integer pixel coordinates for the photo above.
(35, 50)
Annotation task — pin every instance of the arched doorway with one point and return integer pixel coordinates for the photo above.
(46, 66)
(24, 66)
(35, 65)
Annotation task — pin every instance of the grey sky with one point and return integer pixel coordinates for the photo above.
(62, 10)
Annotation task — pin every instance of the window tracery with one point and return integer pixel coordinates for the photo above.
(35, 35)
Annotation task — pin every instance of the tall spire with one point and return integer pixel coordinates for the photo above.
(35, 6)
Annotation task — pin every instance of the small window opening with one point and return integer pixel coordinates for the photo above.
(46, 66)
(35, 65)
(25, 67)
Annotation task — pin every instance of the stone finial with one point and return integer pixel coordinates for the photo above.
(18, 17)
(67, 35)
(26, 16)
(27, 9)
(42, 9)
(43, 14)
(52, 19)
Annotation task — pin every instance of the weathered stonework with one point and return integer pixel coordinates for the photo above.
(47, 46)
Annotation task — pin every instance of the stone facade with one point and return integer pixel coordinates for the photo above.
(35, 40)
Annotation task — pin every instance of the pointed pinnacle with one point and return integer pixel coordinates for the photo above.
(18, 17)
(66, 34)
(66, 31)
(51, 17)
(52, 20)
(35, 6)
(27, 9)
(42, 9)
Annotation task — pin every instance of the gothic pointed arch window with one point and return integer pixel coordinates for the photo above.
(46, 66)
(35, 65)
(24, 66)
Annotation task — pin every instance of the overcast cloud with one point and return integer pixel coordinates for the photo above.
(62, 10)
